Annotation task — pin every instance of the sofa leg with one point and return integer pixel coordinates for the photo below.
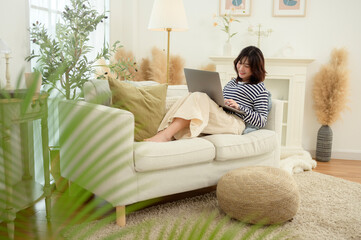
(120, 213)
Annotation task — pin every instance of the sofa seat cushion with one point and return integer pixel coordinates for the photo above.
(230, 146)
(149, 156)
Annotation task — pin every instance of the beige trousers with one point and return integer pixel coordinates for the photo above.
(205, 115)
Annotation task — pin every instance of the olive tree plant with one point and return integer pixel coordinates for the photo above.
(63, 59)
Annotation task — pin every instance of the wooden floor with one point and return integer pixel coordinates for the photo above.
(31, 222)
(346, 169)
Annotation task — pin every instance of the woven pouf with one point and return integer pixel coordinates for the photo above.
(258, 194)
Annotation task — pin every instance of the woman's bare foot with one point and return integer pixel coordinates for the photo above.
(159, 137)
(167, 134)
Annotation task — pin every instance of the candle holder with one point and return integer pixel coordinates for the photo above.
(7, 74)
(4, 48)
(259, 32)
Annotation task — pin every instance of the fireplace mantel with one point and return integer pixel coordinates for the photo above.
(286, 78)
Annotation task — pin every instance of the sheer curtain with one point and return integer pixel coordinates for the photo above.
(48, 12)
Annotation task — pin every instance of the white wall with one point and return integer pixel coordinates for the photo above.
(327, 24)
(14, 19)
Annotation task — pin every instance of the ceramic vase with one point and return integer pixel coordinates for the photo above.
(324, 144)
(227, 48)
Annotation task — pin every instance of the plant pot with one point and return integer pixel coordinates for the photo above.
(324, 144)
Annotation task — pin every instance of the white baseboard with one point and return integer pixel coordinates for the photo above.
(341, 154)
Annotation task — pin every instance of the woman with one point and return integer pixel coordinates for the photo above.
(196, 113)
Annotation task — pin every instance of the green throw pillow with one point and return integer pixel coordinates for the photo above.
(147, 103)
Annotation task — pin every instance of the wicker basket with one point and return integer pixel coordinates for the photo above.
(324, 144)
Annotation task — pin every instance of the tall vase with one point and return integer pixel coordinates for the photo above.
(324, 144)
(227, 48)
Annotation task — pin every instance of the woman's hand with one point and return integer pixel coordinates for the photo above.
(231, 103)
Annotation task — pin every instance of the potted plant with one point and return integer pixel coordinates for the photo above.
(62, 59)
(330, 92)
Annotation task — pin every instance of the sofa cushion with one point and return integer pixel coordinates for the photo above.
(97, 91)
(229, 146)
(177, 90)
(147, 103)
(141, 83)
(149, 156)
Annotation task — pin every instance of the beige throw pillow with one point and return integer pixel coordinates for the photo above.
(147, 103)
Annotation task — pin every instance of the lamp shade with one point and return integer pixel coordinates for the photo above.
(4, 48)
(168, 14)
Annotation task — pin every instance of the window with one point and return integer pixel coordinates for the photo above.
(48, 12)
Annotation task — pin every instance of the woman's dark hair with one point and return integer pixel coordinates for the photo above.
(256, 62)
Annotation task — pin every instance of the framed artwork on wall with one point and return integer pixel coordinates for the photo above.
(235, 7)
(289, 8)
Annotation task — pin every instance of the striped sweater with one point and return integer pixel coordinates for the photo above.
(252, 98)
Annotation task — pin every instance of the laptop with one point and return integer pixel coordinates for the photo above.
(207, 82)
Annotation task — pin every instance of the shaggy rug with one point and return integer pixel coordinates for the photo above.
(330, 208)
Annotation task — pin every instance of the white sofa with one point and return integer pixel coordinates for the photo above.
(114, 167)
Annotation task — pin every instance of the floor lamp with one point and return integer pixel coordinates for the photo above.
(4, 48)
(168, 15)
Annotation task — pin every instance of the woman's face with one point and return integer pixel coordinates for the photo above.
(244, 70)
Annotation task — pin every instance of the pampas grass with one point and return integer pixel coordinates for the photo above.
(158, 68)
(209, 67)
(143, 73)
(128, 59)
(330, 89)
(124, 66)
(102, 70)
(176, 73)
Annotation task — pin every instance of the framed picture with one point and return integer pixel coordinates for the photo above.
(235, 7)
(289, 8)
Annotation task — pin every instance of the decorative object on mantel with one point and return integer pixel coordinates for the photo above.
(330, 96)
(168, 16)
(4, 48)
(289, 8)
(225, 25)
(259, 32)
(286, 51)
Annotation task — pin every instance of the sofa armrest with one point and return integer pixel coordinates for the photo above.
(96, 149)
(275, 118)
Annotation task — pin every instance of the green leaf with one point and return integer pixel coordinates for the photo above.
(68, 47)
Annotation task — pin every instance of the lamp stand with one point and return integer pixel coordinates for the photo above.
(8, 85)
(168, 30)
